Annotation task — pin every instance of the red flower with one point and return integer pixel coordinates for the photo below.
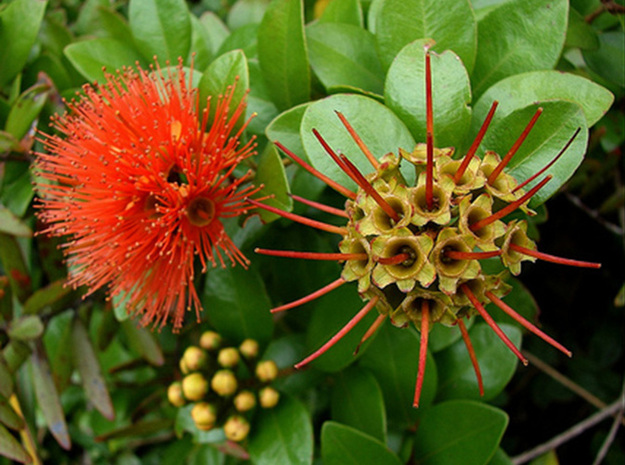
(139, 185)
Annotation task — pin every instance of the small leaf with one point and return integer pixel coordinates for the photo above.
(14, 266)
(343, 445)
(27, 107)
(10, 448)
(343, 11)
(16, 192)
(12, 225)
(143, 342)
(160, 28)
(26, 328)
(15, 353)
(6, 379)
(47, 296)
(59, 347)
(357, 402)
(459, 433)
(86, 361)
(9, 418)
(497, 363)
(271, 175)
(282, 435)
(282, 53)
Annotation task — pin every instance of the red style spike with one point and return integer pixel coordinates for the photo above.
(371, 331)
(320, 206)
(472, 356)
(553, 258)
(493, 176)
(310, 297)
(395, 260)
(429, 133)
(338, 336)
(374, 162)
(423, 349)
(459, 255)
(494, 326)
(313, 255)
(526, 324)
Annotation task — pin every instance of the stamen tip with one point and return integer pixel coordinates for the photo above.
(525, 362)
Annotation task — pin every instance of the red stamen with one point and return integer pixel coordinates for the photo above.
(368, 188)
(553, 258)
(358, 140)
(334, 185)
(371, 331)
(429, 133)
(333, 155)
(510, 207)
(482, 311)
(493, 176)
(530, 179)
(338, 336)
(476, 367)
(395, 260)
(459, 255)
(313, 255)
(526, 324)
(423, 349)
(320, 206)
(300, 219)
(310, 297)
(476, 143)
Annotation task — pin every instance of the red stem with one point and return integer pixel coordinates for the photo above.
(313, 255)
(459, 255)
(358, 140)
(318, 293)
(471, 350)
(429, 133)
(553, 258)
(423, 349)
(320, 206)
(395, 260)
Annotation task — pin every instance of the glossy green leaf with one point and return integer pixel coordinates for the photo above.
(160, 28)
(200, 52)
(20, 22)
(259, 104)
(237, 304)
(399, 22)
(10, 448)
(26, 328)
(15, 353)
(90, 56)
(214, 31)
(343, 445)
(579, 33)
(377, 126)
(282, 435)
(86, 361)
(12, 225)
(459, 433)
(271, 175)
(344, 55)
(525, 89)
(143, 342)
(332, 312)
(554, 128)
(48, 397)
(58, 343)
(14, 266)
(521, 300)
(245, 12)
(393, 357)
(27, 107)
(500, 458)
(519, 36)
(6, 379)
(16, 192)
(285, 129)
(497, 363)
(343, 11)
(282, 53)
(47, 296)
(608, 61)
(442, 336)
(357, 401)
(244, 38)
(404, 92)
(9, 418)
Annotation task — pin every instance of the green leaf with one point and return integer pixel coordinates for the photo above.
(376, 125)
(519, 36)
(47, 296)
(271, 175)
(10, 448)
(259, 103)
(285, 129)
(184, 422)
(608, 61)
(12, 225)
(404, 93)
(9, 418)
(343, 11)
(86, 361)
(244, 38)
(497, 363)
(27, 107)
(20, 20)
(25, 328)
(237, 304)
(14, 266)
(58, 343)
(282, 435)
(393, 357)
(554, 128)
(459, 433)
(245, 12)
(48, 397)
(140, 428)
(142, 341)
(521, 300)
(579, 33)
(442, 336)
(17, 190)
(6, 379)
(501, 458)
(160, 28)
(282, 53)
(451, 23)
(343, 445)
(524, 89)
(357, 401)
(214, 31)
(344, 55)
(90, 56)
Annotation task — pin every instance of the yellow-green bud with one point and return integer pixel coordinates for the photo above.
(204, 415)
(194, 386)
(236, 428)
(194, 358)
(224, 383)
(210, 340)
(266, 370)
(249, 348)
(268, 397)
(228, 357)
(244, 401)
(174, 394)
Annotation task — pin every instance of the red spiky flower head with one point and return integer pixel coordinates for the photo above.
(139, 183)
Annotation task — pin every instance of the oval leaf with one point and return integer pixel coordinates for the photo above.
(271, 175)
(343, 11)
(285, 129)
(143, 342)
(26, 328)
(343, 445)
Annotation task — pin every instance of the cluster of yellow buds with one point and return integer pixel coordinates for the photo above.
(225, 384)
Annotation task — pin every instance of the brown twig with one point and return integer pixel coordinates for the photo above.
(606, 5)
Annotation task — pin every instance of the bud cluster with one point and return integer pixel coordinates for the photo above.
(224, 384)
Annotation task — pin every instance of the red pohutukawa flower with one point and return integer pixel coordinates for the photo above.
(139, 184)
(414, 250)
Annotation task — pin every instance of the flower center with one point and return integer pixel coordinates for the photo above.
(201, 211)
